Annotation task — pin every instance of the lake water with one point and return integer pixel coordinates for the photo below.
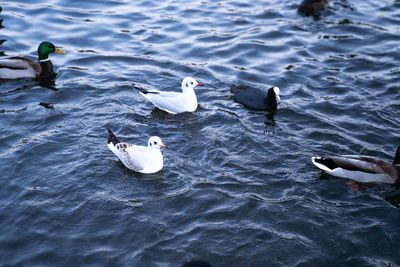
(238, 187)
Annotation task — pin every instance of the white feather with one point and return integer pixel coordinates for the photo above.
(16, 74)
(173, 102)
(139, 158)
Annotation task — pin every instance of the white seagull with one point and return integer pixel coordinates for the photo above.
(138, 158)
(173, 102)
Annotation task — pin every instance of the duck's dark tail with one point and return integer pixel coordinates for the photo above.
(397, 157)
(324, 163)
(111, 137)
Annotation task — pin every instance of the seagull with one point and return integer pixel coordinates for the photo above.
(138, 158)
(361, 168)
(255, 98)
(173, 102)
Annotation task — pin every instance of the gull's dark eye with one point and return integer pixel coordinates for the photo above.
(192, 82)
(155, 142)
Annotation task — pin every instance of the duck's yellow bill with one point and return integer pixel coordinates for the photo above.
(59, 51)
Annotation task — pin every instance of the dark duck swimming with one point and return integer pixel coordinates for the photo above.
(256, 98)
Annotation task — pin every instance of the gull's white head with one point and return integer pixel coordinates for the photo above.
(190, 83)
(277, 91)
(155, 142)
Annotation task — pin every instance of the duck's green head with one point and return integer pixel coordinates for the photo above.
(45, 48)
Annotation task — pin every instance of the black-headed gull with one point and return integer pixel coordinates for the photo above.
(255, 98)
(138, 158)
(361, 168)
(174, 102)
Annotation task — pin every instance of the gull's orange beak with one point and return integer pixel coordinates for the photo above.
(200, 84)
(59, 51)
(163, 145)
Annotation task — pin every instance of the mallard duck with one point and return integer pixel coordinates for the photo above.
(256, 98)
(138, 158)
(25, 67)
(174, 102)
(361, 168)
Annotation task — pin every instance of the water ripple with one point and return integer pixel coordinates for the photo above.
(238, 187)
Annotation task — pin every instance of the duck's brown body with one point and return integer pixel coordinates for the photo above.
(361, 168)
(23, 67)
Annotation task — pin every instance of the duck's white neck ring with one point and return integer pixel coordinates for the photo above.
(44, 60)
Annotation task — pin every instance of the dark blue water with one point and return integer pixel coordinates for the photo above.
(238, 187)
